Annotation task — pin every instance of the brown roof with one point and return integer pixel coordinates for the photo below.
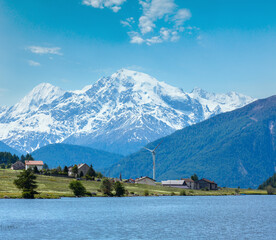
(137, 179)
(206, 180)
(187, 179)
(32, 163)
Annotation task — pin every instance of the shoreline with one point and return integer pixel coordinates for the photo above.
(51, 187)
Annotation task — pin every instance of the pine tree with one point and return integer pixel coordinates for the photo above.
(119, 189)
(26, 182)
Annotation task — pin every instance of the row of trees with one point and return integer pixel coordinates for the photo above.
(107, 187)
(26, 182)
(7, 159)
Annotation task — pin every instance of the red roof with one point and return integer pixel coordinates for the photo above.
(40, 163)
(187, 179)
(206, 180)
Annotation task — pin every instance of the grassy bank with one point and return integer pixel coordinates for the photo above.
(56, 187)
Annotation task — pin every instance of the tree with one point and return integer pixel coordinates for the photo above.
(91, 172)
(26, 182)
(99, 175)
(45, 166)
(65, 169)
(119, 189)
(75, 170)
(194, 177)
(29, 157)
(36, 170)
(270, 190)
(78, 189)
(106, 187)
(2, 165)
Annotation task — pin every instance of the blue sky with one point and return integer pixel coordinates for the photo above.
(217, 45)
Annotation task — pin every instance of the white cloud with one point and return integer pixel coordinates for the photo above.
(137, 39)
(152, 11)
(112, 4)
(161, 20)
(33, 63)
(181, 16)
(44, 50)
(128, 22)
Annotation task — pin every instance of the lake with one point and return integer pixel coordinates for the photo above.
(216, 217)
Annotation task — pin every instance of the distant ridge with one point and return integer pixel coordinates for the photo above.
(5, 148)
(65, 154)
(236, 148)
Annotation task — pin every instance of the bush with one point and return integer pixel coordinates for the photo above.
(172, 193)
(106, 187)
(183, 193)
(146, 192)
(119, 189)
(270, 190)
(77, 188)
(27, 194)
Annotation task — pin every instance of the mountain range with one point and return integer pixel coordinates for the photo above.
(119, 114)
(236, 148)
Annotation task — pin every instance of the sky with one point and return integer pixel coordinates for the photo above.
(216, 45)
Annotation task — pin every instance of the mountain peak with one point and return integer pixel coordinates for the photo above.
(44, 93)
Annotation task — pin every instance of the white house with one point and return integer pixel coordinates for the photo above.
(32, 164)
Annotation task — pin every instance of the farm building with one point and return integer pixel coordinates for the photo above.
(145, 180)
(207, 184)
(174, 183)
(18, 166)
(82, 170)
(32, 164)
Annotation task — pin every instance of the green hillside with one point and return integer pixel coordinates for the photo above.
(5, 148)
(234, 149)
(65, 154)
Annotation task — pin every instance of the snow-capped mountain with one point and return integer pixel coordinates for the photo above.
(119, 113)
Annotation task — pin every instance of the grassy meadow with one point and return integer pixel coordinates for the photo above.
(56, 187)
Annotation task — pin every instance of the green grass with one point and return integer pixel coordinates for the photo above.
(56, 187)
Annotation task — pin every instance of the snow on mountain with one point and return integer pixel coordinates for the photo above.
(119, 113)
(213, 103)
(44, 93)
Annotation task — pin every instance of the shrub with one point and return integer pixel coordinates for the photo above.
(183, 193)
(146, 192)
(77, 188)
(119, 189)
(106, 187)
(270, 190)
(172, 193)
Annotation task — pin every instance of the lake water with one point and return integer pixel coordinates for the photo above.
(226, 217)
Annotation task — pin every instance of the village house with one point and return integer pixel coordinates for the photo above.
(82, 170)
(174, 183)
(187, 183)
(145, 180)
(207, 184)
(191, 184)
(18, 166)
(129, 180)
(32, 164)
